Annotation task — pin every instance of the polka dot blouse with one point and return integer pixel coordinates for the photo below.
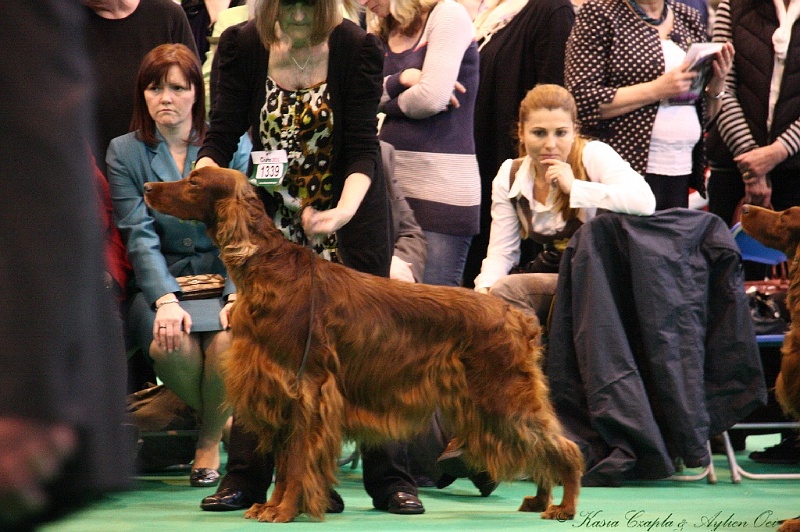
(610, 47)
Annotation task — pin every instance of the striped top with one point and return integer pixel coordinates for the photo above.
(435, 162)
(731, 121)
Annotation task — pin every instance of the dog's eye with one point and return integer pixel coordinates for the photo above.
(192, 182)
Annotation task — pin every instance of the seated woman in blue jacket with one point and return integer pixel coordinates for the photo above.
(168, 127)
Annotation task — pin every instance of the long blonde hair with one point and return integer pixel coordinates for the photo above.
(405, 17)
(549, 96)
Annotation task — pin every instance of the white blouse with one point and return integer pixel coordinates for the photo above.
(613, 185)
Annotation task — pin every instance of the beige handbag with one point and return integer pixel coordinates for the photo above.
(201, 286)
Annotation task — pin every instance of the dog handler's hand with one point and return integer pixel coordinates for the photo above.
(171, 323)
(205, 161)
(758, 192)
(323, 223)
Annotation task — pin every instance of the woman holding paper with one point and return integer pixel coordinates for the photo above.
(625, 61)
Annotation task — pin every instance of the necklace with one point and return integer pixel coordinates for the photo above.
(650, 20)
(304, 65)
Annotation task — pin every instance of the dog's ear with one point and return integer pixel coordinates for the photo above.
(233, 234)
(791, 219)
(791, 253)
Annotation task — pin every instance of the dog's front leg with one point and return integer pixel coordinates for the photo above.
(309, 457)
(283, 504)
(257, 509)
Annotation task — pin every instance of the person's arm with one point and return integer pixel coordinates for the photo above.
(126, 176)
(548, 45)
(585, 65)
(731, 121)
(126, 179)
(424, 93)
(612, 185)
(181, 31)
(504, 238)
(360, 141)
(234, 63)
(331, 220)
(587, 70)
(754, 162)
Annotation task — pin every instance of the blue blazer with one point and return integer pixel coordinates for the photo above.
(160, 247)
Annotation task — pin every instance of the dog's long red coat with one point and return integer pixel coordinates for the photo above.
(383, 355)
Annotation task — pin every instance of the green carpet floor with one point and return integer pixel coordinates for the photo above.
(167, 503)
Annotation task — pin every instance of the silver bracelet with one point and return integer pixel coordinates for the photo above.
(159, 305)
(715, 96)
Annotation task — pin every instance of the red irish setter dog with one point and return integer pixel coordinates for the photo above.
(382, 354)
(781, 230)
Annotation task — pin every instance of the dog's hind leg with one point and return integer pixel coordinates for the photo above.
(565, 457)
(540, 502)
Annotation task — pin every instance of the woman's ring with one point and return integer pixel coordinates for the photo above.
(163, 327)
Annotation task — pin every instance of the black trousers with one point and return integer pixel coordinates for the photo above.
(670, 190)
(385, 468)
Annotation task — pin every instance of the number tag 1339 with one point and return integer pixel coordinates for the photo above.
(269, 167)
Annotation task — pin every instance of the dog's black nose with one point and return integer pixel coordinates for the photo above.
(148, 187)
(745, 208)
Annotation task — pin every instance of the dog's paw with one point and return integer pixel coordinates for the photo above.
(272, 514)
(534, 504)
(254, 511)
(558, 512)
(790, 525)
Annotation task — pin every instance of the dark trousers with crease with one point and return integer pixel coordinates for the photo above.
(385, 469)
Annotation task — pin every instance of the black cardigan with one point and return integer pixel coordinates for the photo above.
(355, 66)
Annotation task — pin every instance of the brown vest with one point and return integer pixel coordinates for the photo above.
(557, 241)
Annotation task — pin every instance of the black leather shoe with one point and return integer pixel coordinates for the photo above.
(451, 461)
(225, 500)
(229, 499)
(787, 452)
(204, 477)
(335, 503)
(405, 504)
(484, 483)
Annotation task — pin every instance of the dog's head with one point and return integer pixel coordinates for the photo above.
(196, 196)
(775, 229)
(218, 197)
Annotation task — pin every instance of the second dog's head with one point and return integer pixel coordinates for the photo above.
(776, 229)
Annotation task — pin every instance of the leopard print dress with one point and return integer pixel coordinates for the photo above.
(301, 122)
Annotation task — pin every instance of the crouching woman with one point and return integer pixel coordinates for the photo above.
(557, 184)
